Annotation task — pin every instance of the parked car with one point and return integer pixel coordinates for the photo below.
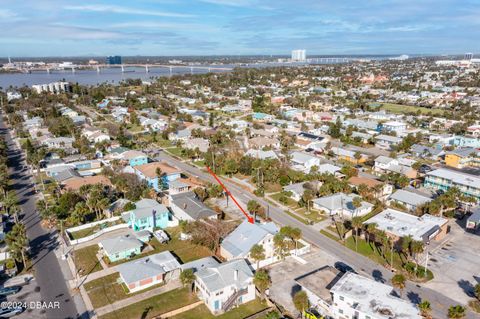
(9, 290)
(10, 312)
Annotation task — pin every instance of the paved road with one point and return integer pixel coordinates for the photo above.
(47, 270)
(415, 293)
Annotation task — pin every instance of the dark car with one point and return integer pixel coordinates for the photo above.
(10, 311)
(343, 267)
(9, 290)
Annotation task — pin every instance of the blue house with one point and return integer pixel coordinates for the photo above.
(135, 158)
(148, 215)
(157, 174)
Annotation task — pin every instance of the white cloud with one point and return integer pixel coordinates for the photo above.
(125, 10)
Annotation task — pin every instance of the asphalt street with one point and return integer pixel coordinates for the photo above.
(43, 242)
(413, 292)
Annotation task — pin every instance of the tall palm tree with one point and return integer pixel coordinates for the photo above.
(371, 230)
(399, 281)
(356, 224)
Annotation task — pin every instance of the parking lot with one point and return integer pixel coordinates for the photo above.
(455, 263)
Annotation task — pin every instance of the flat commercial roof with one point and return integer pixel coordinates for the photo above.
(320, 281)
(402, 224)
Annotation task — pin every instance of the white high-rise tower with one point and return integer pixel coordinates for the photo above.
(299, 55)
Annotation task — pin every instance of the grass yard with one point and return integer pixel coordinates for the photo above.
(290, 202)
(108, 289)
(200, 163)
(313, 215)
(177, 151)
(86, 261)
(155, 306)
(92, 230)
(185, 250)
(240, 312)
(329, 235)
(402, 109)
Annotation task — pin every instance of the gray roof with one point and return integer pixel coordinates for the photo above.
(301, 158)
(201, 263)
(422, 149)
(120, 243)
(240, 241)
(192, 206)
(177, 184)
(383, 159)
(145, 208)
(222, 275)
(389, 138)
(464, 151)
(335, 201)
(410, 198)
(148, 267)
(66, 174)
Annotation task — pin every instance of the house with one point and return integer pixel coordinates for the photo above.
(178, 186)
(296, 190)
(473, 222)
(411, 200)
(303, 162)
(134, 158)
(356, 296)
(148, 214)
(394, 126)
(403, 166)
(380, 189)
(260, 154)
(148, 271)
(120, 247)
(421, 151)
(225, 285)
(387, 142)
(341, 203)
(197, 143)
(444, 179)
(157, 174)
(398, 224)
(317, 285)
(187, 206)
(349, 156)
(58, 142)
(262, 142)
(239, 242)
(462, 157)
(76, 182)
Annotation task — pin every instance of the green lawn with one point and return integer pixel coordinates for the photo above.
(329, 235)
(290, 202)
(370, 251)
(185, 250)
(177, 151)
(402, 109)
(86, 261)
(313, 215)
(108, 289)
(240, 312)
(155, 306)
(200, 163)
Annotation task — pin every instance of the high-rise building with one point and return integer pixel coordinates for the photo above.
(468, 56)
(115, 59)
(299, 55)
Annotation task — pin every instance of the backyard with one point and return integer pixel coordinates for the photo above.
(92, 230)
(155, 306)
(109, 289)
(402, 109)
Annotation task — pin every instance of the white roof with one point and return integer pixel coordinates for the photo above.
(374, 298)
(402, 224)
(457, 177)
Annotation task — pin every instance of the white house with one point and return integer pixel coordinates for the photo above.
(225, 285)
(303, 162)
(341, 203)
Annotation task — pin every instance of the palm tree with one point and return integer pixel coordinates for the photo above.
(371, 230)
(262, 281)
(257, 253)
(416, 247)
(399, 281)
(300, 300)
(17, 242)
(356, 224)
(456, 312)
(406, 245)
(187, 277)
(425, 309)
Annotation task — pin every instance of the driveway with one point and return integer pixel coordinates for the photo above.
(455, 263)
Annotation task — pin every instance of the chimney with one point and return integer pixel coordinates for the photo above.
(235, 274)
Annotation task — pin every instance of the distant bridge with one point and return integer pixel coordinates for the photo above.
(125, 67)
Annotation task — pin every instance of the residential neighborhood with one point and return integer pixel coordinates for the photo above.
(344, 190)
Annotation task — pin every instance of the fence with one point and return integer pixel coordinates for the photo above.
(96, 234)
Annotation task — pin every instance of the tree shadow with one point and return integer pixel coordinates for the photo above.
(378, 276)
(467, 287)
(414, 297)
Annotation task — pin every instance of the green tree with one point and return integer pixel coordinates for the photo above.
(187, 277)
(357, 224)
(476, 291)
(17, 243)
(456, 312)
(300, 300)
(399, 281)
(425, 309)
(262, 281)
(257, 253)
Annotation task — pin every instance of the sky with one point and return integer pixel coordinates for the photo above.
(237, 27)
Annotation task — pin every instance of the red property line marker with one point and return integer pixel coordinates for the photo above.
(250, 219)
